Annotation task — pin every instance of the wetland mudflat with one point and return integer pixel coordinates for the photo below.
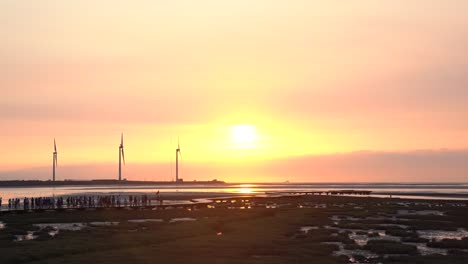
(299, 229)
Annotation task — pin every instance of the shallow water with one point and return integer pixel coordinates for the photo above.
(440, 234)
(432, 191)
(362, 240)
(145, 220)
(349, 253)
(103, 223)
(182, 219)
(396, 225)
(421, 212)
(425, 250)
(306, 229)
(344, 217)
(57, 227)
(53, 233)
(29, 236)
(63, 226)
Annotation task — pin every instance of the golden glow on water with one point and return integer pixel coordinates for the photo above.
(246, 190)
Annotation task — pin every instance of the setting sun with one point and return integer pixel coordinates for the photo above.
(244, 136)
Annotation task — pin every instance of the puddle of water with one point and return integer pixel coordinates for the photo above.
(404, 204)
(306, 229)
(423, 212)
(53, 233)
(349, 253)
(400, 226)
(182, 219)
(439, 234)
(363, 239)
(104, 223)
(425, 250)
(375, 218)
(63, 226)
(29, 236)
(384, 218)
(145, 220)
(243, 207)
(344, 217)
(60, 226)
(2, 225)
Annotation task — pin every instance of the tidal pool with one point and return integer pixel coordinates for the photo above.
(182, 219)
(306, 229)
(29, 236)
(440, 234)
(63, 226)
(422, 212)
(145, 220)
(107, 223)
(349, 253)
(425, 250)
(53, 232)
(361, 238)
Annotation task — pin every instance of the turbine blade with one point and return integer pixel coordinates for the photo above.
(55, 146)
(178, 143)
(56, 161)
(123, 155)
(121, 139)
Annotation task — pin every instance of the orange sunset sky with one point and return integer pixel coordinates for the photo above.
(262, 90)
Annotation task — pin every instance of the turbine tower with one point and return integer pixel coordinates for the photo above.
(177, 159)
(121, 156)
(54, 161)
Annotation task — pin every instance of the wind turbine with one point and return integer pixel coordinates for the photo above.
(54, 161)
(121, 156)
(177, 159)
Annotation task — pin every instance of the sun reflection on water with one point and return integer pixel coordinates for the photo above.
(245, 190)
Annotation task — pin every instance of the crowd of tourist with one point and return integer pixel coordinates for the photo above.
(97, 201)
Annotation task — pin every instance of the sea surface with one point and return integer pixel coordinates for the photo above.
(457, 191)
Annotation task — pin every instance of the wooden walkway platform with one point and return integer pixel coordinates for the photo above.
(331, 192)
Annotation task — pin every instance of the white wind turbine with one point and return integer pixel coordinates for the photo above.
(177, 159)
(54, 161)
(121, 156)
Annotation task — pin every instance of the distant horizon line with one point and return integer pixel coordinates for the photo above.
(244, 182)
